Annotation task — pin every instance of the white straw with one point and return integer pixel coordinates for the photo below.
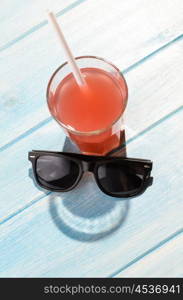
(71, 60)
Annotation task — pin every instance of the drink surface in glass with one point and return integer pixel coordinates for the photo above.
(92, 114)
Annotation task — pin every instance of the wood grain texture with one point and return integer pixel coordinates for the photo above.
(43, 240)
(27, 66)
(155, 91)
(166, 261)
(28, 16)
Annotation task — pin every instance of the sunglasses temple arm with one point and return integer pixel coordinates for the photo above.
(149, 181)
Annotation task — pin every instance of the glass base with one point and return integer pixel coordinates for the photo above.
(70, 146)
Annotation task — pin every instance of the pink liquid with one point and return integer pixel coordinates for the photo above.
(94, 107)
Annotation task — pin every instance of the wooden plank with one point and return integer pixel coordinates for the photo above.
(145, 107)
(28, 16)
(43, 240)
(26, 67)
(166, 261)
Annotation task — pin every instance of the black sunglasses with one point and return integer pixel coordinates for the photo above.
(115, 176)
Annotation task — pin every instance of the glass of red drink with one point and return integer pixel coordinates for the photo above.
(90, 115)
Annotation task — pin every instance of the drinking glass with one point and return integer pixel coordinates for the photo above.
(91, 116)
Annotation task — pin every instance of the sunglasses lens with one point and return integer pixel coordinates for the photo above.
(56, 172)
(120, 179)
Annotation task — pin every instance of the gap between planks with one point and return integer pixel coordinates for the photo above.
(138, 258)
(40, 25)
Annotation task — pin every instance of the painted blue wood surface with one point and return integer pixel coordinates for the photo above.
(157, 73)
(45, 234)
(169, 255)
(28, 16)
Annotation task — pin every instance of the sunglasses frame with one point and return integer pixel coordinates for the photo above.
(91, 163)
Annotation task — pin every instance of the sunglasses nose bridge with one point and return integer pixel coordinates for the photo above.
(88, 166)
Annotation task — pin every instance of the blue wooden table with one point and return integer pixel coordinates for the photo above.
(85, 233)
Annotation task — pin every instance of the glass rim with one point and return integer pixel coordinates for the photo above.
(93, 132)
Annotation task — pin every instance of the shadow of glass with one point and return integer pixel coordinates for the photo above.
(86, 214)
